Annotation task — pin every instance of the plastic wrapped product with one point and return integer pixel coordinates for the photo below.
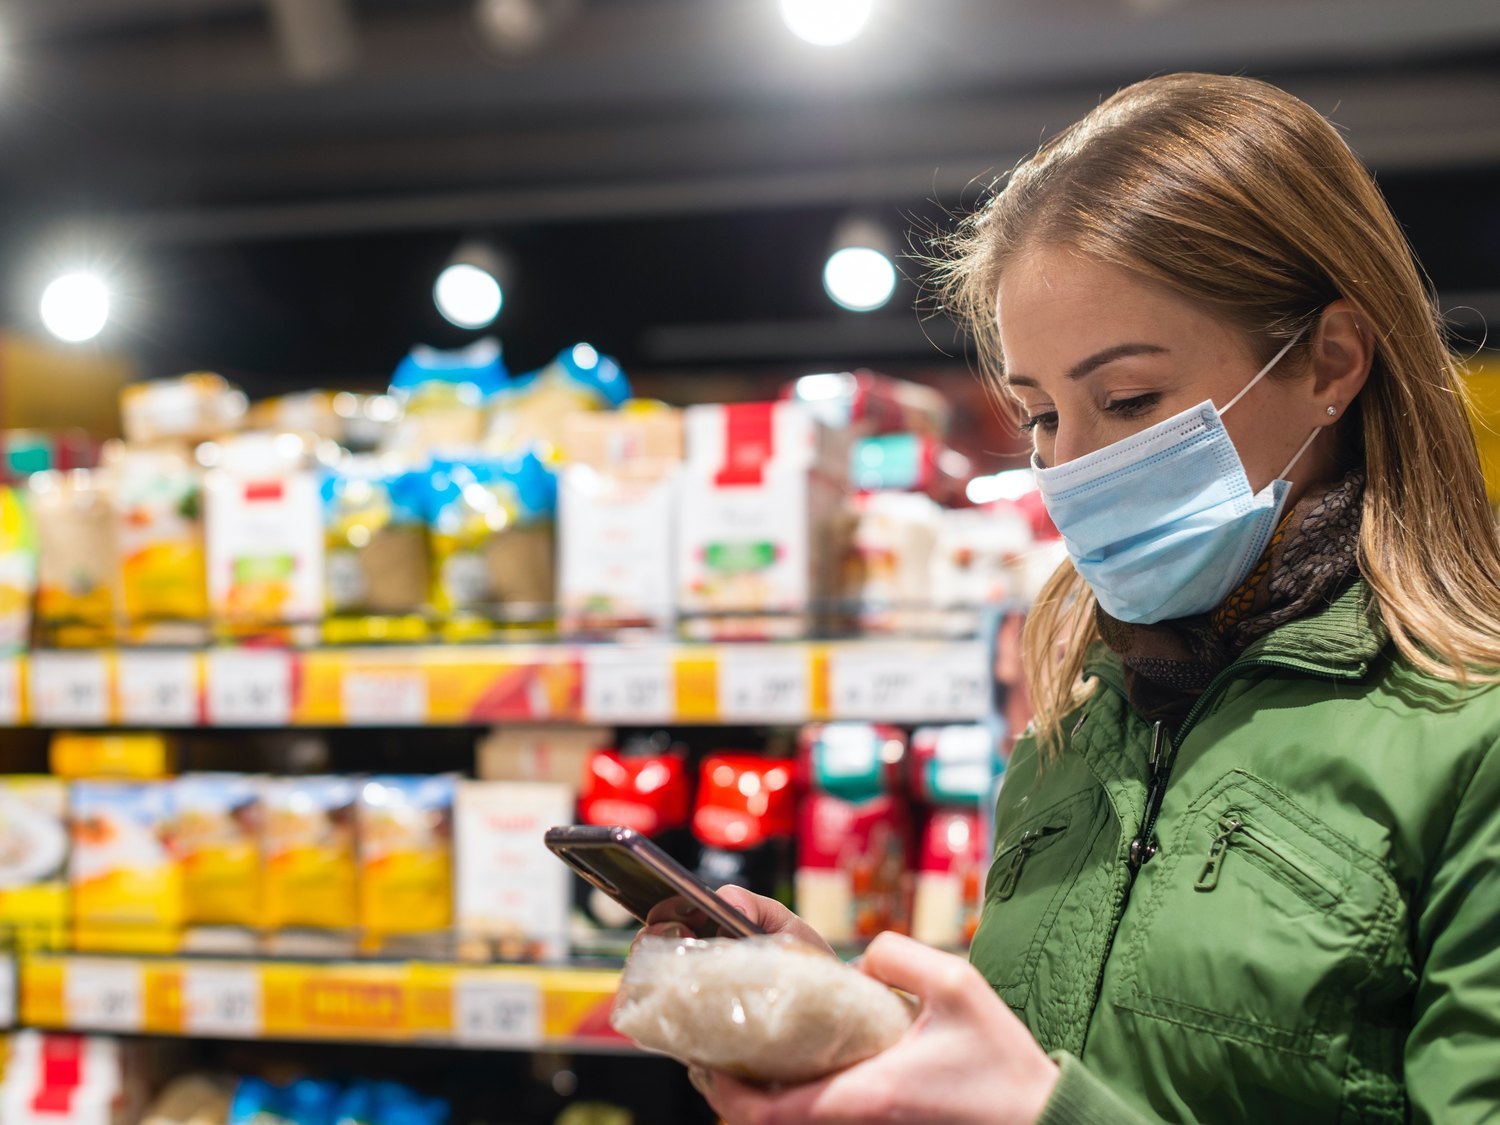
(767, 1009)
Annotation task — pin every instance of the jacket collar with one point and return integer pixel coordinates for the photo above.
(1339, 640)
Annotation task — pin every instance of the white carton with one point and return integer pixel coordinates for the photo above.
(758, 530)
(511, 890)
(615, 540)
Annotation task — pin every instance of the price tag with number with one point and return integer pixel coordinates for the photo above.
(957, 683)
(70, 688)
(764, 683)
(876, 682)
(221, 1000)
(628, 685)
(158, 689)
(491, 1011)
(11, 708)
(394, 697)
(104, 995)
(249, 688)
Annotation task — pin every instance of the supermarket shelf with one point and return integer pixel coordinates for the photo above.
(908, 681)
(420, 1003)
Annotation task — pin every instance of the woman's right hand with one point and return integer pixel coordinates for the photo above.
(673, 918)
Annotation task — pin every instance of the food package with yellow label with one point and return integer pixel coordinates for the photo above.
(218, 837)
(33, 861)
(139, 756)
(159, 531)
(308, 864)
(18, 563)
(406, 855)
(530, 413)
(378, 572)
(492, 527)
(75, 521)
(127, 884)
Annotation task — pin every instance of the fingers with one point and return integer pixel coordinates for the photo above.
(940, 980)
(674, 930)
(772, 916)
(835, 1100)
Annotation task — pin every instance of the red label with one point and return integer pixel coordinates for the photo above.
(748, 442)
(261, 491)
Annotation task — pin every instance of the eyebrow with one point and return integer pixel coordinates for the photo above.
(1094, 362)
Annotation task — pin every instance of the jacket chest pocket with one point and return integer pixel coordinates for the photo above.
(1035, 864)
(1260, 924)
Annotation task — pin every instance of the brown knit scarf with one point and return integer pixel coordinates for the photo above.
(1312, 556)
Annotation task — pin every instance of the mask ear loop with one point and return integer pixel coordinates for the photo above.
(1275, 359)
(1312, 437)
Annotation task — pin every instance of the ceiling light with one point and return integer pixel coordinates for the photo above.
(826, 23)
(859, 274)
(75, 307)
(468, 292)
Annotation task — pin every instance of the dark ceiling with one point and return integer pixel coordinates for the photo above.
(280, 180)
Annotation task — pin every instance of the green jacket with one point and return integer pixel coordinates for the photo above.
(1317, 938)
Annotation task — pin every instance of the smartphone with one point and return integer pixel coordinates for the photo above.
(645, 880)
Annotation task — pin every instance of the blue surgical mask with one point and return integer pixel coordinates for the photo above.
(1163, 524)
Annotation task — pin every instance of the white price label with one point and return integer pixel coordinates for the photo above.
(7, 992)
(876, 683)
(222, 1000)
(158, 689)
(70, 688)
(764, 684)
(492, 1012)
(628, 685)
(957, 683)
(385, 698)
(249, 689)
(10, 691)
(104, 995)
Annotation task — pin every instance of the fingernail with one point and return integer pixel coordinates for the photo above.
(683, 909)
(702, 1079)
(675, 930)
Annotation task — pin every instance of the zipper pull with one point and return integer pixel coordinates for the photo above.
(1029, 839)
(1208, 878)
(1143, 846)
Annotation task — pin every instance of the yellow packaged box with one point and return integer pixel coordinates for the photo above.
(33, 861)
(131, 757)
(308, 857)
(217, 836)
(406, 854)
(127, 885)
(159, 532)
(75, 521)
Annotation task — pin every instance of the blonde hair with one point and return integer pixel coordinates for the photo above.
(1243, 198)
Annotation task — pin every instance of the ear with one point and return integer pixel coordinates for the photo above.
(1343, 349)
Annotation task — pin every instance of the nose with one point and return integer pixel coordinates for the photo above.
(1070, 443)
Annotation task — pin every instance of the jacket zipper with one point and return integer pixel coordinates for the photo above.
(1164, 752)
(1232, 827)
(1023, 848)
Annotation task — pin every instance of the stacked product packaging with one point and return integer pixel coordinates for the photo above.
(466, 503)
(864, 828)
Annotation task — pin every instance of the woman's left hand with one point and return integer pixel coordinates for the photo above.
(967, 1058)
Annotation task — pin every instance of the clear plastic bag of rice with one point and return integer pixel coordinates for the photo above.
(769, 1009)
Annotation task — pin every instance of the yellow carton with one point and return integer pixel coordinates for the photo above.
(33, 861)
(133, 757)
(406, 855)
(308, 852)
(127, 885)
(217, 837)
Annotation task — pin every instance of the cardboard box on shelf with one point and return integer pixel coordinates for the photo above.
(758, 531)
(185, 410)
(158, 501)
(866, 403)
(538, 753)
(512, 893)
(887, 565)
(617, 506)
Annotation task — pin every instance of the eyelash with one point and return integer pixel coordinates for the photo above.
(1123, 408)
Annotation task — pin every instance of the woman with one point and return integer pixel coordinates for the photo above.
(1248, 856)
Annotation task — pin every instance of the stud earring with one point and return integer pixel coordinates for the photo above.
(1332, 410)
